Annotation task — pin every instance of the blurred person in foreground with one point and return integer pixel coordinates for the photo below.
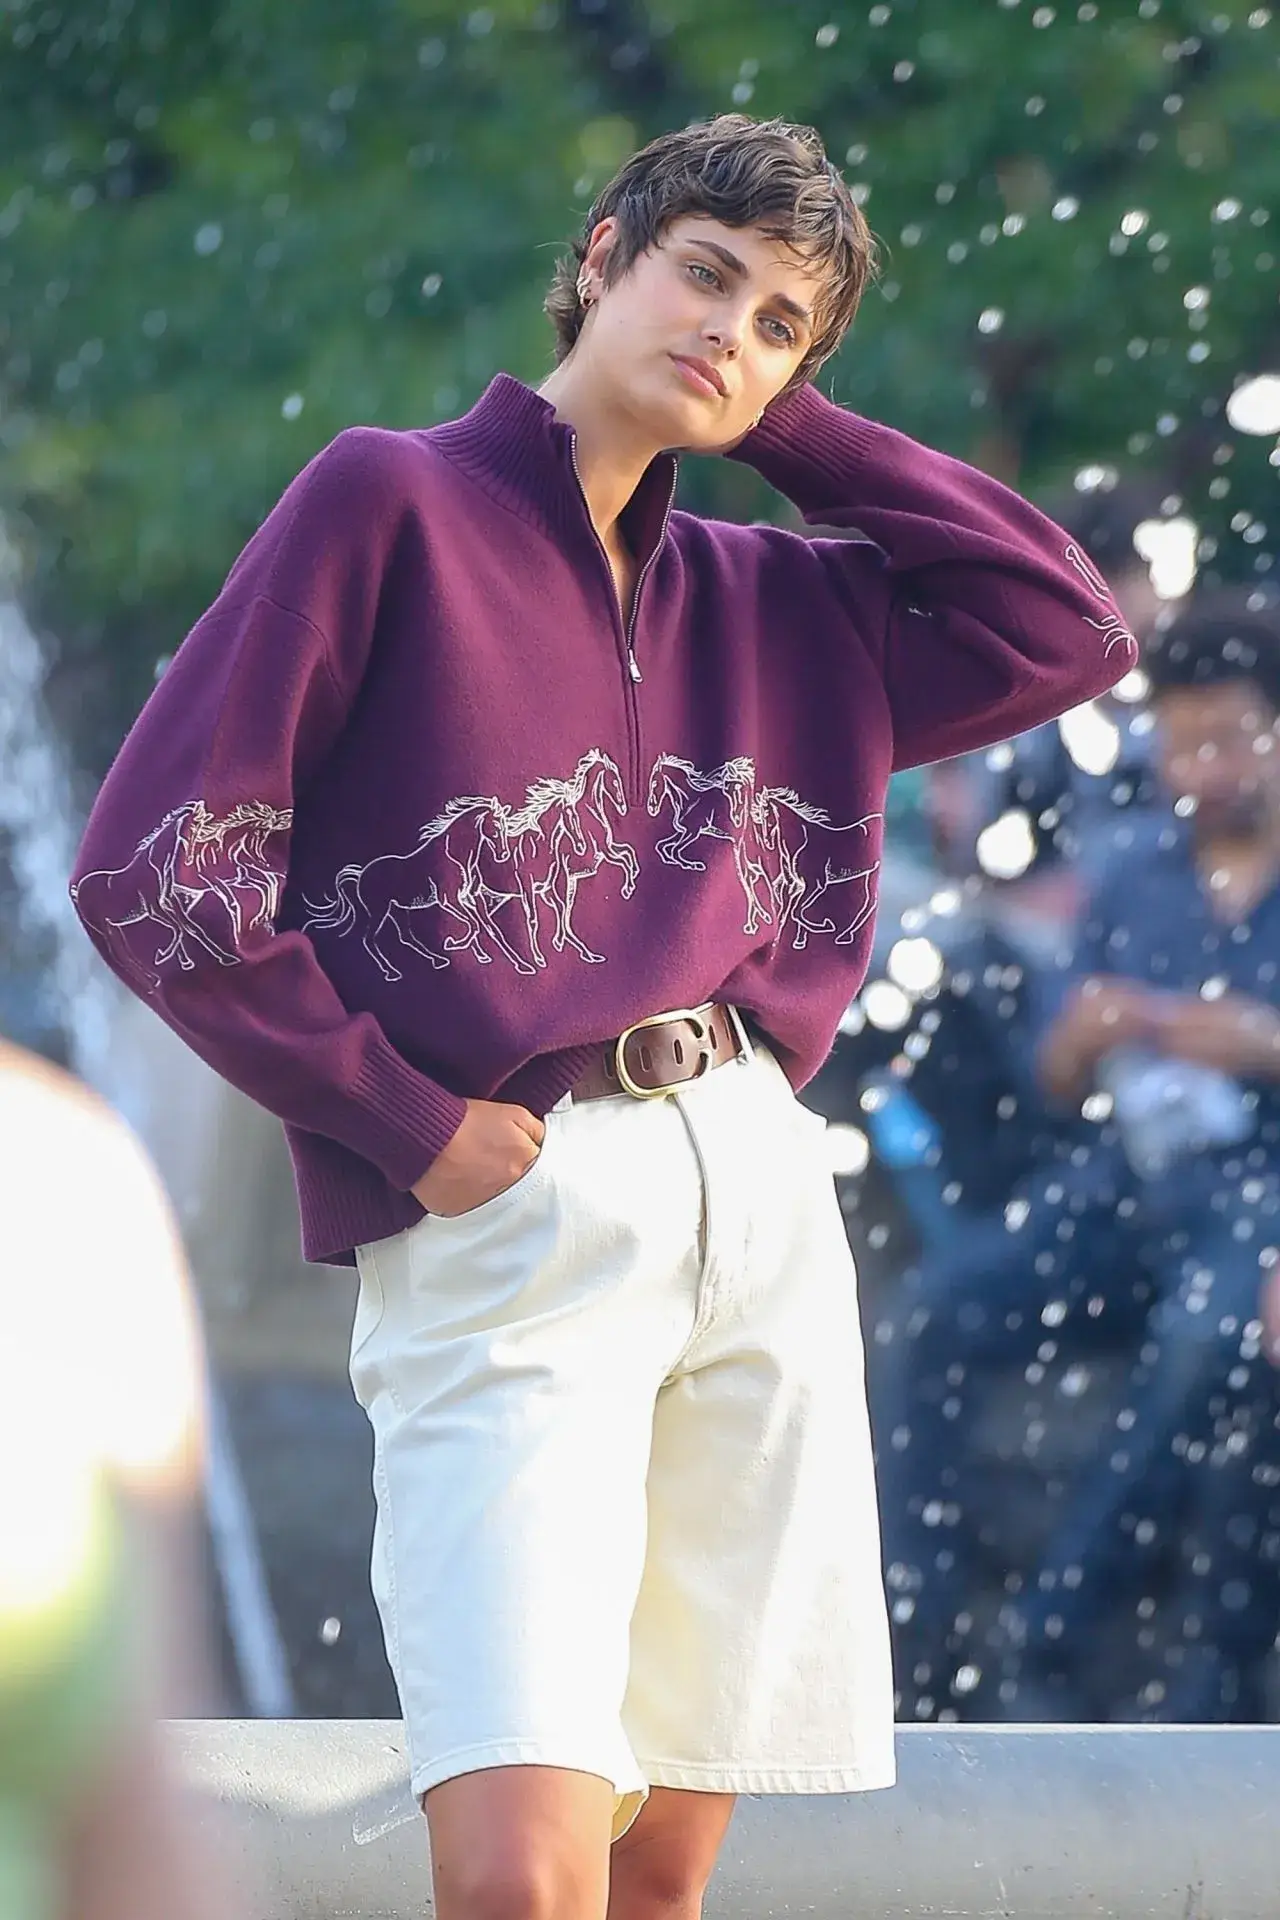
(515, 838)
(99, 1477)
(1175, 1024)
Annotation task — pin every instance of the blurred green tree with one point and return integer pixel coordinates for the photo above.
(230, 230)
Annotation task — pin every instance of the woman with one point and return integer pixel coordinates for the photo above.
(514, 837)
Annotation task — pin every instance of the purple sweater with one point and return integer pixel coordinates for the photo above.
(412, 818)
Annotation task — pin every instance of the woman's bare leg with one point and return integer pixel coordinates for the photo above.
(520, 1843)
(661, 1865)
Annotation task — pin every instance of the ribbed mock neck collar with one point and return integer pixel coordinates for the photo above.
(512, 445)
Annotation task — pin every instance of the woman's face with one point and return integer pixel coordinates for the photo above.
(701, 332)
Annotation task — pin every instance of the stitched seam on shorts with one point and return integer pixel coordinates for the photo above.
(389, 1556)
(706, 1288)
(769, 1779)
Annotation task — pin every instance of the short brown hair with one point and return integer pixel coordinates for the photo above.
(746, 173)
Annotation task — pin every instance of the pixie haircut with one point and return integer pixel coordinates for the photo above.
(1228, 635)
(745, 173)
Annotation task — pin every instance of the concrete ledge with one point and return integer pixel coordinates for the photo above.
(1024, 1823)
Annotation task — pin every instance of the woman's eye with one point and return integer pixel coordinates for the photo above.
(783, 334)
(697, 267)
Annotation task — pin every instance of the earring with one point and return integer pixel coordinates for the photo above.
(584, 290)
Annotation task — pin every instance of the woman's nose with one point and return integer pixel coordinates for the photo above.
(723, 333)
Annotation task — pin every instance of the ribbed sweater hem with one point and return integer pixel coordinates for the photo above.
(407, 1118)
(346, 1207)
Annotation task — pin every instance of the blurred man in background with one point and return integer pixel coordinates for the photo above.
(99, 1476)
(1062, 1246)
(1173, 1027)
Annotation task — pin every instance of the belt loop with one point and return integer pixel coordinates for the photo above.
(748, 1053)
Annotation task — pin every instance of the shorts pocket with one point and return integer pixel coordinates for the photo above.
(497, 1202)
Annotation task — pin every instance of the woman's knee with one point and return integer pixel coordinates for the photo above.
(520, 1843)
(509, 1882)
(662, 1866)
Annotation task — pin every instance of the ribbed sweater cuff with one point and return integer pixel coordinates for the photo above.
(806, 445)
(408, 1118)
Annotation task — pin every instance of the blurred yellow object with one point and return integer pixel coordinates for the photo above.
(101, 1357)
(100, 1434)
(53, 1574)
(68, 1667)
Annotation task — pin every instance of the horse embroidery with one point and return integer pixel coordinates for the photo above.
(448, 871)
(1111, 625)
(582, 843)
(485, 878)
(490, 869)
(796, 868)
(826, 874)
(713, 806)
(192, 859)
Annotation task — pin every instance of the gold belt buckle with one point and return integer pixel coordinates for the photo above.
(694, 1016)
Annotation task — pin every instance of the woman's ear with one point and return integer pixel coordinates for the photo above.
(599, 247)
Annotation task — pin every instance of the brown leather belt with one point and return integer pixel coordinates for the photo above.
(667, 1051)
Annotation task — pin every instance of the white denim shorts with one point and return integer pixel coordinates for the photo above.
(626, 1512)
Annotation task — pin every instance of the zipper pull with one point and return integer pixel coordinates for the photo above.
(633, 668)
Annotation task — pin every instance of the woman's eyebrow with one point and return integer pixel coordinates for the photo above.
(740, 267)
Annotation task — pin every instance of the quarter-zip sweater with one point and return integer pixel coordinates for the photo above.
(412, 817)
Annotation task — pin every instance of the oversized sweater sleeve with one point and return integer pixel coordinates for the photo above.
(984, 617)
(183, 864)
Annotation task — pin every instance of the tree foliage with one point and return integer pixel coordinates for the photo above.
(231, 229)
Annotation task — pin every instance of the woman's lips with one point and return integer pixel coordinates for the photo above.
(698, 380)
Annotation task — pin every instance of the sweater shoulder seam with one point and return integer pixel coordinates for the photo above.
(326, 644)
